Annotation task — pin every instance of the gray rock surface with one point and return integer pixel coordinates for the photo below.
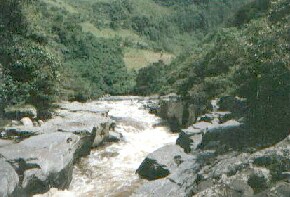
(281, 189)
(5, 142)
(85, 120)
(42, 161)
(206, 134)
(162, 162)
(8, 178)
(189, 139)
(220, 167)
(114, 136)
(46, 158)
(26, 122)
(160, 188)
(180, 183)
(172, 111)
(246, 174)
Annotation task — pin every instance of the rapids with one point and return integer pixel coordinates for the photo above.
(110, 170)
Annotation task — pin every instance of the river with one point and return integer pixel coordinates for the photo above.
(110, 170)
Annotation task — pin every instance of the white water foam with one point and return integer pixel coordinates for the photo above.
(110, 170)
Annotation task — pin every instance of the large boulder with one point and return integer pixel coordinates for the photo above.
(8, 178)
(162, 162)
(27, 122)
(207, 135)
(189, 139)
(42, 162)
(172, 111)
(19, 111)
(222, 137)
(114, 136)
(181, 182)
(102, 133)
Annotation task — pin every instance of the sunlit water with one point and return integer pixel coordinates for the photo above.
(110, 170)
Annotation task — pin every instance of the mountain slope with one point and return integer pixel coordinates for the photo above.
(89, 48)
(249, 58)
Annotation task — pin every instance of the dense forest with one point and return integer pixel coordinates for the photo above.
(248, 57)
(54, 50)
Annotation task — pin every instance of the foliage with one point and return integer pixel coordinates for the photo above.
(29, 74)
(148, 80)
(249, 60)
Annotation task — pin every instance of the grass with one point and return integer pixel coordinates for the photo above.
(150, 8)
(139, 58)
(133, 58)
(109, 33)
(63, 5)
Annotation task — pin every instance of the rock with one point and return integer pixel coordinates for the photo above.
(8, 179)
(26, 122)
(225, 186)
(152, 106)
(216, 117)
(54, 192)
(190, 115)
(259, 179)
(229, 166)
(240, 187)
(203, 185)
(222, 137)
(19, 111)
(281, 189)
(180, 183)
(206, 155)
(5, 142)
(85, 120)
(114, 136)
(206, 118)
(15, 123)
(102, 133)
(18, 132)
(162, 162)
(159, 188)
(40, 122)
(225, 117)
(172, 111)
(43, 161)
(235, 188)
(35, 124)
(189, 139)
(203, 126)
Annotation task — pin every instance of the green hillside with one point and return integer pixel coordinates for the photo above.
(77, 50)
(249, 58)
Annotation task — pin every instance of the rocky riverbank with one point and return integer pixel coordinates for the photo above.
(37, 157)
(214, 157)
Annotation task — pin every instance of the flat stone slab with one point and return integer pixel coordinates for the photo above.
(4, 143)
(8, 178)
(43, 161)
